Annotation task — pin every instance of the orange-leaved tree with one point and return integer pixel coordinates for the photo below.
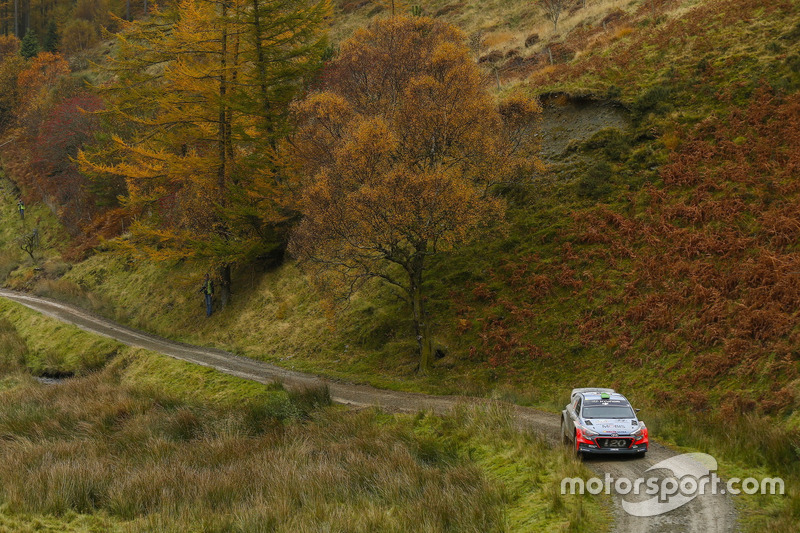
(397, 155)
(196, 102)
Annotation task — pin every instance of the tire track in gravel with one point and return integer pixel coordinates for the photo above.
(705, 514)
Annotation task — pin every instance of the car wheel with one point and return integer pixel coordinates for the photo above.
(564, 438)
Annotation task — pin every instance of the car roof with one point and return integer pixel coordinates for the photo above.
(597, 394)
(603, 396)
(598, 390)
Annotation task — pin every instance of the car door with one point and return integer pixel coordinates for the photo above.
(574, 411)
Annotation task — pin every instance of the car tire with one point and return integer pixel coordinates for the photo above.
(564, 438)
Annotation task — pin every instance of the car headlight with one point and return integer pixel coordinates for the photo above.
(588, 432)
(639, 433)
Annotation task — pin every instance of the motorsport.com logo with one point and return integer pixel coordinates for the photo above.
(692, 475)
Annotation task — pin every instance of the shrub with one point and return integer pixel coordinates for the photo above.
(595, 183)
(78, 35)
(9, 46)
(655, 100)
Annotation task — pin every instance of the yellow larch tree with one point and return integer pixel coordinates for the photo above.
(197, 98)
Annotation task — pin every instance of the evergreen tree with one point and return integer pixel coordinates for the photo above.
(51, 38)
(30, 45)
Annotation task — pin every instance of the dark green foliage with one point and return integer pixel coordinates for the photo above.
(793, 62)
(30, 45)
(329, 53)
(614, 143)
(655, 100)
(595, 183)
(51, 38)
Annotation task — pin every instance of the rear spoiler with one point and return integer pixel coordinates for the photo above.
(591, 389)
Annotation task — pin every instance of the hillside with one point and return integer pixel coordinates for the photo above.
(657, 255)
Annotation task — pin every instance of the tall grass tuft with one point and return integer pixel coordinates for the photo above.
(97, 444)
(310, 398)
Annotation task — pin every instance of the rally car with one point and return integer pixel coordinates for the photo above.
(602, 421)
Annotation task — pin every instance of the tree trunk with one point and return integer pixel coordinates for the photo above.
(422, 328)
(223, 115)
(224, 285)
(261, 65)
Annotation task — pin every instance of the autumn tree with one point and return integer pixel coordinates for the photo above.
(68, 125)
(553, 10)
(10, 68)
(9, 45)
(398, 153)
(199, 99)
(36, 85)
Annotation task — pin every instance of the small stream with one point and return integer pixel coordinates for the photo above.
(51, 380)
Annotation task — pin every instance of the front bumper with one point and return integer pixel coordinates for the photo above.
(602, 444)
(594, 448)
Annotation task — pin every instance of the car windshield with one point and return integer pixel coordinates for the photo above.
(607, 411)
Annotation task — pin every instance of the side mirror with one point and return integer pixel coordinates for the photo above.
(637, 410)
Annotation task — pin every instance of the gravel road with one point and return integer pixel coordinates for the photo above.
(704, 514)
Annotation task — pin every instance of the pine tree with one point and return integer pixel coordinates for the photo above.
(30, 45)
(51, 39)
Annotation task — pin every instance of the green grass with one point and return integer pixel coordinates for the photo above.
(147, 442)
(15, 264)
(57, 349)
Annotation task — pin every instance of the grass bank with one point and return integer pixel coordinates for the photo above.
(145, 443)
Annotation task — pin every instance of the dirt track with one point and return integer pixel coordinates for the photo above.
(706, 514)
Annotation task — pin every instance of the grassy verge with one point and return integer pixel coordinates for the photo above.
(150, 443)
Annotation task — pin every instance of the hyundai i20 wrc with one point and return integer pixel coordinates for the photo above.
(602, 421)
